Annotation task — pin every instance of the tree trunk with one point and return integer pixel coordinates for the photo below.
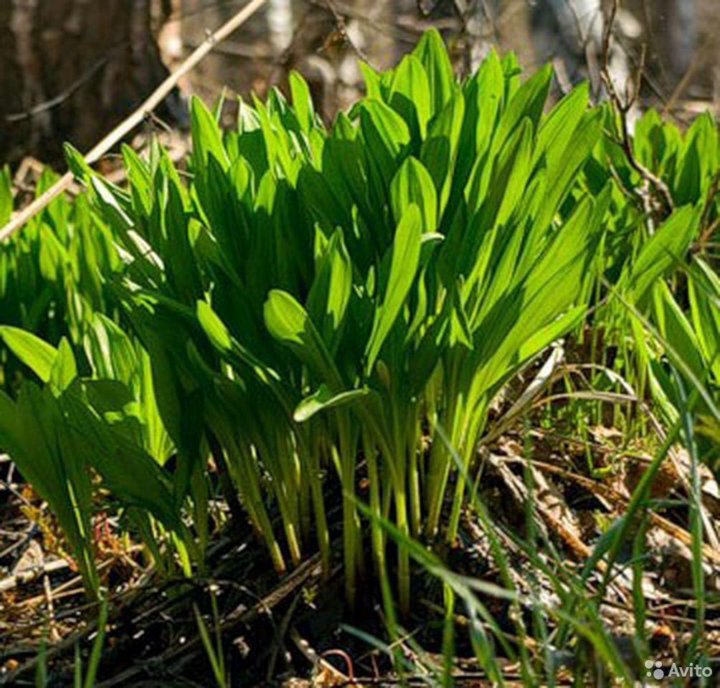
(70, 70)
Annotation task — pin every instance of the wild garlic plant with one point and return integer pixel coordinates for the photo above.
(351, 298)
(332, 297)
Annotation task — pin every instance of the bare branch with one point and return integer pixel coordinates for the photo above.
(652, 181)
(135, 119)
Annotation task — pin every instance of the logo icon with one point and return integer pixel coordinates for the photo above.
(654, 670)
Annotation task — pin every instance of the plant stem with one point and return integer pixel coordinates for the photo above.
(346, 465)
(403, 554)
(321, 525)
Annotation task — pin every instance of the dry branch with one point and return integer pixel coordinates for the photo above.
(135, 119)
(652, 181)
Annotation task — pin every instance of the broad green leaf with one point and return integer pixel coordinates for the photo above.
(6, 198)
(676, 330)
(439, 151)
(409, 94)
(704, 291)
(527, 102)
(129, 472)
(331, 290)
(403, 266)
(433, 56)
(371, 79)
(64, 368)
(290, 324)
(109, 350)
(35, 432)
(77, 163)
(302, 101)
(559, 126)
(662, 251)
(386, 133)
(140, 179)
(34, 352)
(413, 184)
(206, 135)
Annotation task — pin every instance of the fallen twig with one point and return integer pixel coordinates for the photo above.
(31, 574)
(241, 615)
(329, 674)
(613, 496)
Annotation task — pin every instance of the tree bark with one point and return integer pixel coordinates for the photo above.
(70, 70)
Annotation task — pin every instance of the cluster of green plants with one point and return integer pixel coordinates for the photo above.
(326, 295)
(655, 299)
(54, 274)
(672, 324)
(319, 308)
(95, 415)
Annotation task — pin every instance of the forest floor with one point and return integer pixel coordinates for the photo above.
(542, 482)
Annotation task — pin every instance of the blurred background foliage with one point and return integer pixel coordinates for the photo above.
(71, 69)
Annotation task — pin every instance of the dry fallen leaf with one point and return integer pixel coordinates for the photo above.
(32, 558)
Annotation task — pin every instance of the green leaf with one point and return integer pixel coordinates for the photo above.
(677, 332)
(403, 267)
(439, 151)
(206, 136)
(557, 129)
(129, 472)
(409, 94)
(35, 432)
(214, 327)
(330, 292)
(77, 164)
(109, 350)
(413, 185)
(704, 290)
(64, 368)
(290, 324)
(140, 180)
(34, 352)
(663, 251)
(324, 399)
(387, 135)
(433, 56)
(527, 102)
(6, 197)
(302, 101)
(371, 79)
